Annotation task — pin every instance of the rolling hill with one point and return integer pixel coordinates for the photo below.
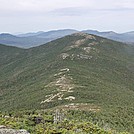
(78, 71)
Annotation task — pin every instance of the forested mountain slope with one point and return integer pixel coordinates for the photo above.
(89, 72)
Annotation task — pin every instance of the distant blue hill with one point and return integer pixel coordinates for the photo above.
(28, 40)
(123, 37)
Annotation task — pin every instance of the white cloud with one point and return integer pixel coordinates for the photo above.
(32, 5)
(39, 4)
(32, 15)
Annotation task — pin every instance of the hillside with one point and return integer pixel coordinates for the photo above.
(127, 37)
(33, 39)
(50, 34)
(29, 40)
(79, 71)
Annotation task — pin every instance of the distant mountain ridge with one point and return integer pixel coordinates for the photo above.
(50, 34)
(35, 39)
(122, 37)
(29, 34)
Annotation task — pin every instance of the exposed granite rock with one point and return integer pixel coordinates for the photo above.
(5, 130)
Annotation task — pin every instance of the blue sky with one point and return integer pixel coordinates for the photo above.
(43, 15)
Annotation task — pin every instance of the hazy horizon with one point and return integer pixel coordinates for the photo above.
(22, 16)
(17, 33)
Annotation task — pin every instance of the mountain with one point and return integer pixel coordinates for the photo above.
(57, 33)
(29, 40)
(123, 37)
(50, 34)
(33, 39)
(80, 71)
(23, 42)
(29, 34)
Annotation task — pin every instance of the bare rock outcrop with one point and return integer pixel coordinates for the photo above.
(5, 130)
